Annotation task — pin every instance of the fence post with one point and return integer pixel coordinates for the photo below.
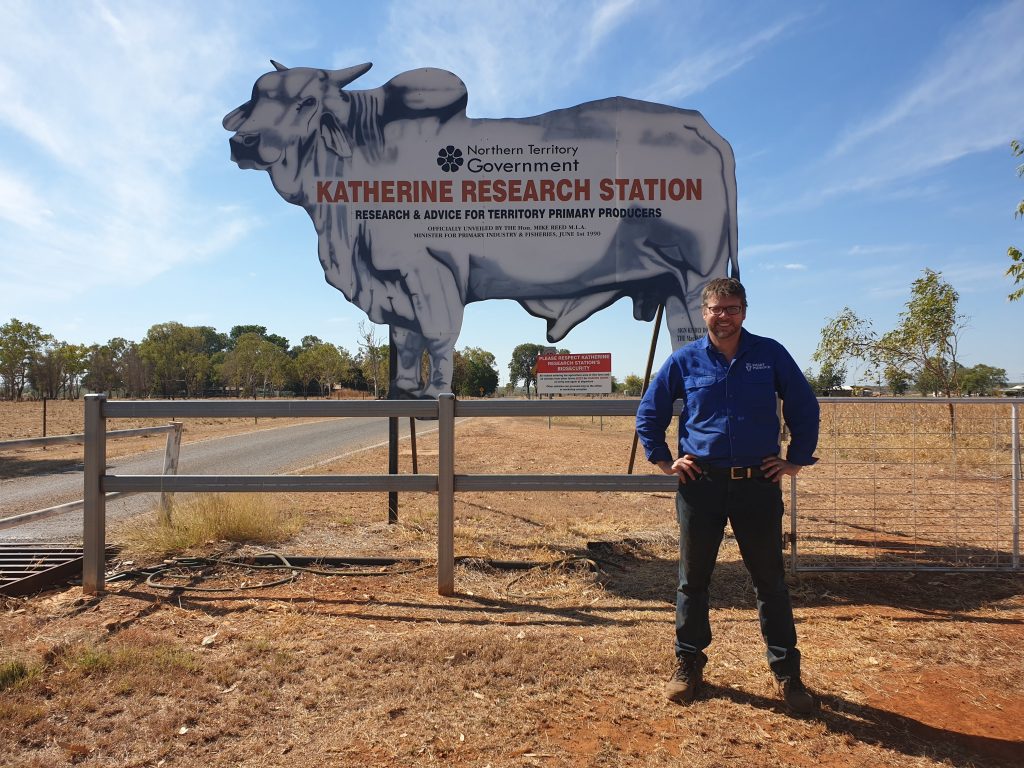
(1015, 479)
(446, 494)
(794, 563)
(94, 516)
(171, 453)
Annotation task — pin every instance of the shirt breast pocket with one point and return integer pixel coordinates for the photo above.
(760, 387)
(700, 393)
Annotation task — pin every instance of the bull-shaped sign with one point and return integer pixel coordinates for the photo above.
(421, 210)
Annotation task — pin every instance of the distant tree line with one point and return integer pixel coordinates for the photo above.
(175, 360)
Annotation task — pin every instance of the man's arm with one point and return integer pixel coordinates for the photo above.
(800, 411)
(654, 414)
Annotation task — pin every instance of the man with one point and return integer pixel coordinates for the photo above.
(729, 468)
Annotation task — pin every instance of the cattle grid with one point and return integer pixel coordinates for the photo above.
(836, 520)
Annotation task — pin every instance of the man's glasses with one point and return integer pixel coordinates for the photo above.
(730, 310)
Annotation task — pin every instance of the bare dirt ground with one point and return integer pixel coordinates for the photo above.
(561, 665)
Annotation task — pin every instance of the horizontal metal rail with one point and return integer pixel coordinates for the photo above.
(33, 442)
(363, 483)
(268, 483)
(42, 514)
(158, 409)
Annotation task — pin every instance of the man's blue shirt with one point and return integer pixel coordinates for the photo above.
(729, 416)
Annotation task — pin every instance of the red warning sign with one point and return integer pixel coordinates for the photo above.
(580, 374)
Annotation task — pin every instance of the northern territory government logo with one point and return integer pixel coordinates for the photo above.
(450, 159)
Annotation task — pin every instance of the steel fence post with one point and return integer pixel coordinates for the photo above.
(792, 524)
(446, 494)
(94, 516)
(1015, 478)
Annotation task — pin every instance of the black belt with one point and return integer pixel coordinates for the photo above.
(732, 473)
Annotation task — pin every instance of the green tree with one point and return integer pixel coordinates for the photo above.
(374, 359)
(260, 330)
(331, 366)
(830, 377)
(523, 365)
(1016, 269)
(897, 380)
(633, 385)
(924, 342)
(20, 342)
(135, 371)
(103, 367)
(180, 357)
(480, 376)
(982, 380)
(930, 380)
(255, 364)
(57, 367)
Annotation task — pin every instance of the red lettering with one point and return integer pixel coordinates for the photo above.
(323, 192)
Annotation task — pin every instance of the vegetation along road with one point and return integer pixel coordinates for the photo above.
(275, 451)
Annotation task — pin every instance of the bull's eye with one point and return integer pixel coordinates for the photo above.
(309, 101)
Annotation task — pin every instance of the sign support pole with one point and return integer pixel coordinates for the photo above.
(647, 379)
(392, 429)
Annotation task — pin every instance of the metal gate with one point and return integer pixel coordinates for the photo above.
(911, 484)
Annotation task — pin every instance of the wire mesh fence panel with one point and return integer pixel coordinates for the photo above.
(911, 486)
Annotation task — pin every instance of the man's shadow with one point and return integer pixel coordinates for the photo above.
(889, 730)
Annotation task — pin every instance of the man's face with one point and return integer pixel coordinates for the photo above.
(721, 324)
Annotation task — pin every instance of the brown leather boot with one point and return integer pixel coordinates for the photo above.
(798, 699)
(683, 686)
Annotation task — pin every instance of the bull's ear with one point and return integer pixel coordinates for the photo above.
(233, 120)
(334, 136)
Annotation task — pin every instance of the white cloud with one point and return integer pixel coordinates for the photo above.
(877, 250)
(504, 49)
(764, 249)
(966, 100)
(711, 63)
(102, 101)
(19, 203)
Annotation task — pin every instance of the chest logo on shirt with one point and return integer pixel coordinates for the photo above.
(758, 367)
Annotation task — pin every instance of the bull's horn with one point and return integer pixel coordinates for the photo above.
(279, 67)
(345, 76)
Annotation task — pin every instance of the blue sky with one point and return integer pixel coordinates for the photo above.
(871, 141)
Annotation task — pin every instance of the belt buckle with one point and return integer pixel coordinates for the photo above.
(739, 473)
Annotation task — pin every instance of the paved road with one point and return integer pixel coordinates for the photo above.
(267, 452)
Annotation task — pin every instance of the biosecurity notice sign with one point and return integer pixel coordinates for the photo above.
(574, 374)
(421, 210)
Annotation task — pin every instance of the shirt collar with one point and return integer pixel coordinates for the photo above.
(747, 340)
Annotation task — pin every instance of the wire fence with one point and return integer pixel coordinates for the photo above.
(911, 484)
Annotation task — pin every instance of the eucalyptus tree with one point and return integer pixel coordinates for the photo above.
(20, 343)
(923, 345)
(1016, 270)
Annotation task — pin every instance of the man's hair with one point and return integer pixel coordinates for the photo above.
(721, 287)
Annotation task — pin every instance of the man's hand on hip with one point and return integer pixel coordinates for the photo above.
(685, 467)
(774, 468)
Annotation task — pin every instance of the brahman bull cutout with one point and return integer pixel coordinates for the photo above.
(421, 210)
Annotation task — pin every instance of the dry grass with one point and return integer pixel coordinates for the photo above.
(202, 519)
(561, 665)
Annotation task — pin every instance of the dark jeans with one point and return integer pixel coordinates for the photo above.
(754, 508)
